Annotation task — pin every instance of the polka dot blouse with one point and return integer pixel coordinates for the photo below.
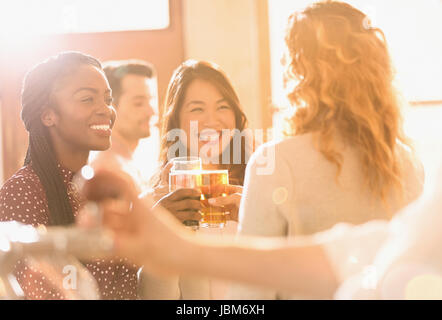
(23, 199)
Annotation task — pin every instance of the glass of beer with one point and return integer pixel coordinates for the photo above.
(186, 163)
(213, 184)
(185, 173)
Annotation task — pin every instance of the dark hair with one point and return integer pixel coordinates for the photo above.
(35, 97)
(181, 78)
(116, 70)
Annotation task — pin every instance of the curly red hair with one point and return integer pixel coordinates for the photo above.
(344, 87)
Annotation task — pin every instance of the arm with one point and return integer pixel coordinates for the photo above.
(263, 262)
(314, 264)
(154, 238)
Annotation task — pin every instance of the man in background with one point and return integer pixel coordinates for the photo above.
(134, 91)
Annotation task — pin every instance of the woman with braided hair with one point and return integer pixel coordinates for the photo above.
(66, 108)
(61, 133)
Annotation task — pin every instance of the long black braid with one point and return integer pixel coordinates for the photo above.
(35, 98)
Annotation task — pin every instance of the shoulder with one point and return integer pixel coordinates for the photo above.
(410, 162)
(22, 198)
(24, 179)
(412, 172)
(283, 153)
(288, 147)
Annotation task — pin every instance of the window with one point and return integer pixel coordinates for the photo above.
(24, 17)
(413, 32)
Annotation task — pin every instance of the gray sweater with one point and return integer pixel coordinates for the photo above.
(291, 189)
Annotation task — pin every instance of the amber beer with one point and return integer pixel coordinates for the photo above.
(184, 173)
(213, 184)
(184, 179)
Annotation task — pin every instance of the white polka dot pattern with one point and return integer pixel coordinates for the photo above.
(23, 199)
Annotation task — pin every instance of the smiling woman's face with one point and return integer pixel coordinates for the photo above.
(82, 115)
(205, 106)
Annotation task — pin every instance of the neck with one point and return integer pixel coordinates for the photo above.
(123, 145)
(70, 159)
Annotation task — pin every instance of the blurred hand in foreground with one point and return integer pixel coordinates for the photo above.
(145, 234)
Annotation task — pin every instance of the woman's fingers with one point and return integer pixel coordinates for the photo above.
(181, 199)
(187, 215)
(160, 192)
(233, 197)
(184, 193)
(231, 188)
(183, 205)
(164, 178)
(230, 200)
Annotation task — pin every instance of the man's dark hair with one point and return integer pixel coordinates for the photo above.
(116, 70)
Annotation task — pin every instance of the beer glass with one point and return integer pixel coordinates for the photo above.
(186, 163)
(213, 184)
(184, 173)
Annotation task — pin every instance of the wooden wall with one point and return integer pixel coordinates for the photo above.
(163, 48)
